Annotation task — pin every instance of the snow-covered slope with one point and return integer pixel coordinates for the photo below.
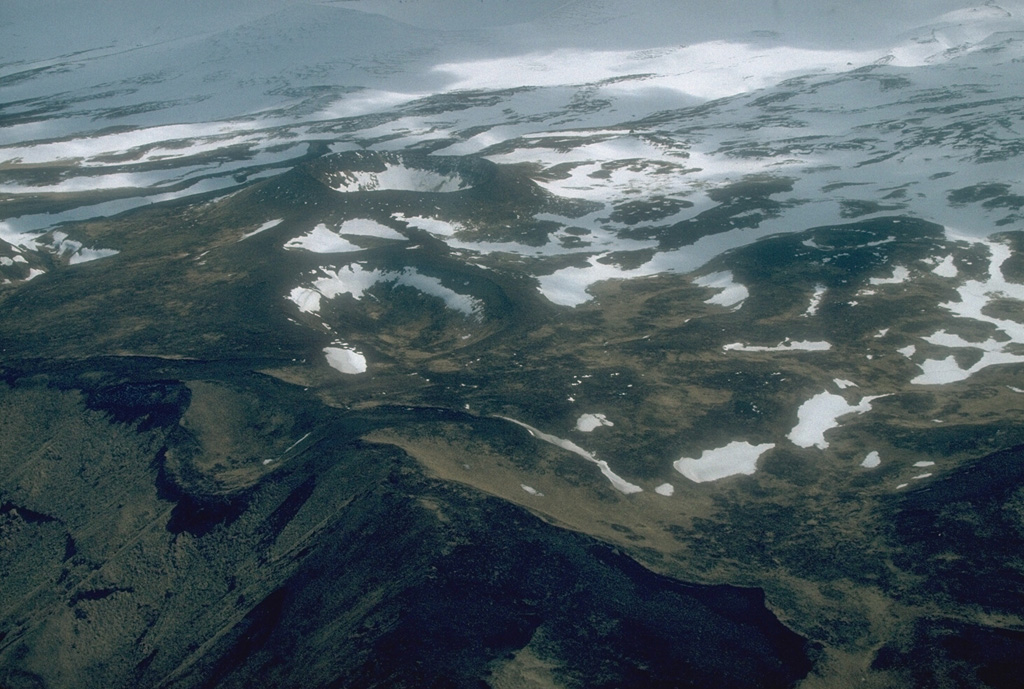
(155, 109)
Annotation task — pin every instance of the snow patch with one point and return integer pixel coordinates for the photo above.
(820, 414)
(262, 228)
(666, 489)
(364, 227)
(588, 422)
(345, 360)
(76, 251)
(872, 460)
(899, 274)
(410, 277)
(308, 300)
(617, 481)
(946, 268)
(738, 457)
(785, 346)
(732, 293)
(84, 255)
(975, 296)
(819, 294)
(568, 286)
(434, 226)
(321, 240)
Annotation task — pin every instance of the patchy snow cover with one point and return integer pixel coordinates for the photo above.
(738, 457)
(975, 296)
(617, 481)
(820, 414)
(872, 460)
(785, 346)
(399, 178)
(843, 384)
(732, 293)
(354, 279)
(588, 422)
(569, 55)
(531, 490)
(345, 360)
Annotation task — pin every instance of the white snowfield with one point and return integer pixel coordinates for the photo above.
(900, 274)
(598, 105)
(322, 240)
(946, 268)
(434, 226)
(731, 294)
(568, 286)
(345, 359)
(738, 457)
(820, 414)
(588, 422)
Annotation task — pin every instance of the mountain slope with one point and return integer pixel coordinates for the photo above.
(357, 344)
